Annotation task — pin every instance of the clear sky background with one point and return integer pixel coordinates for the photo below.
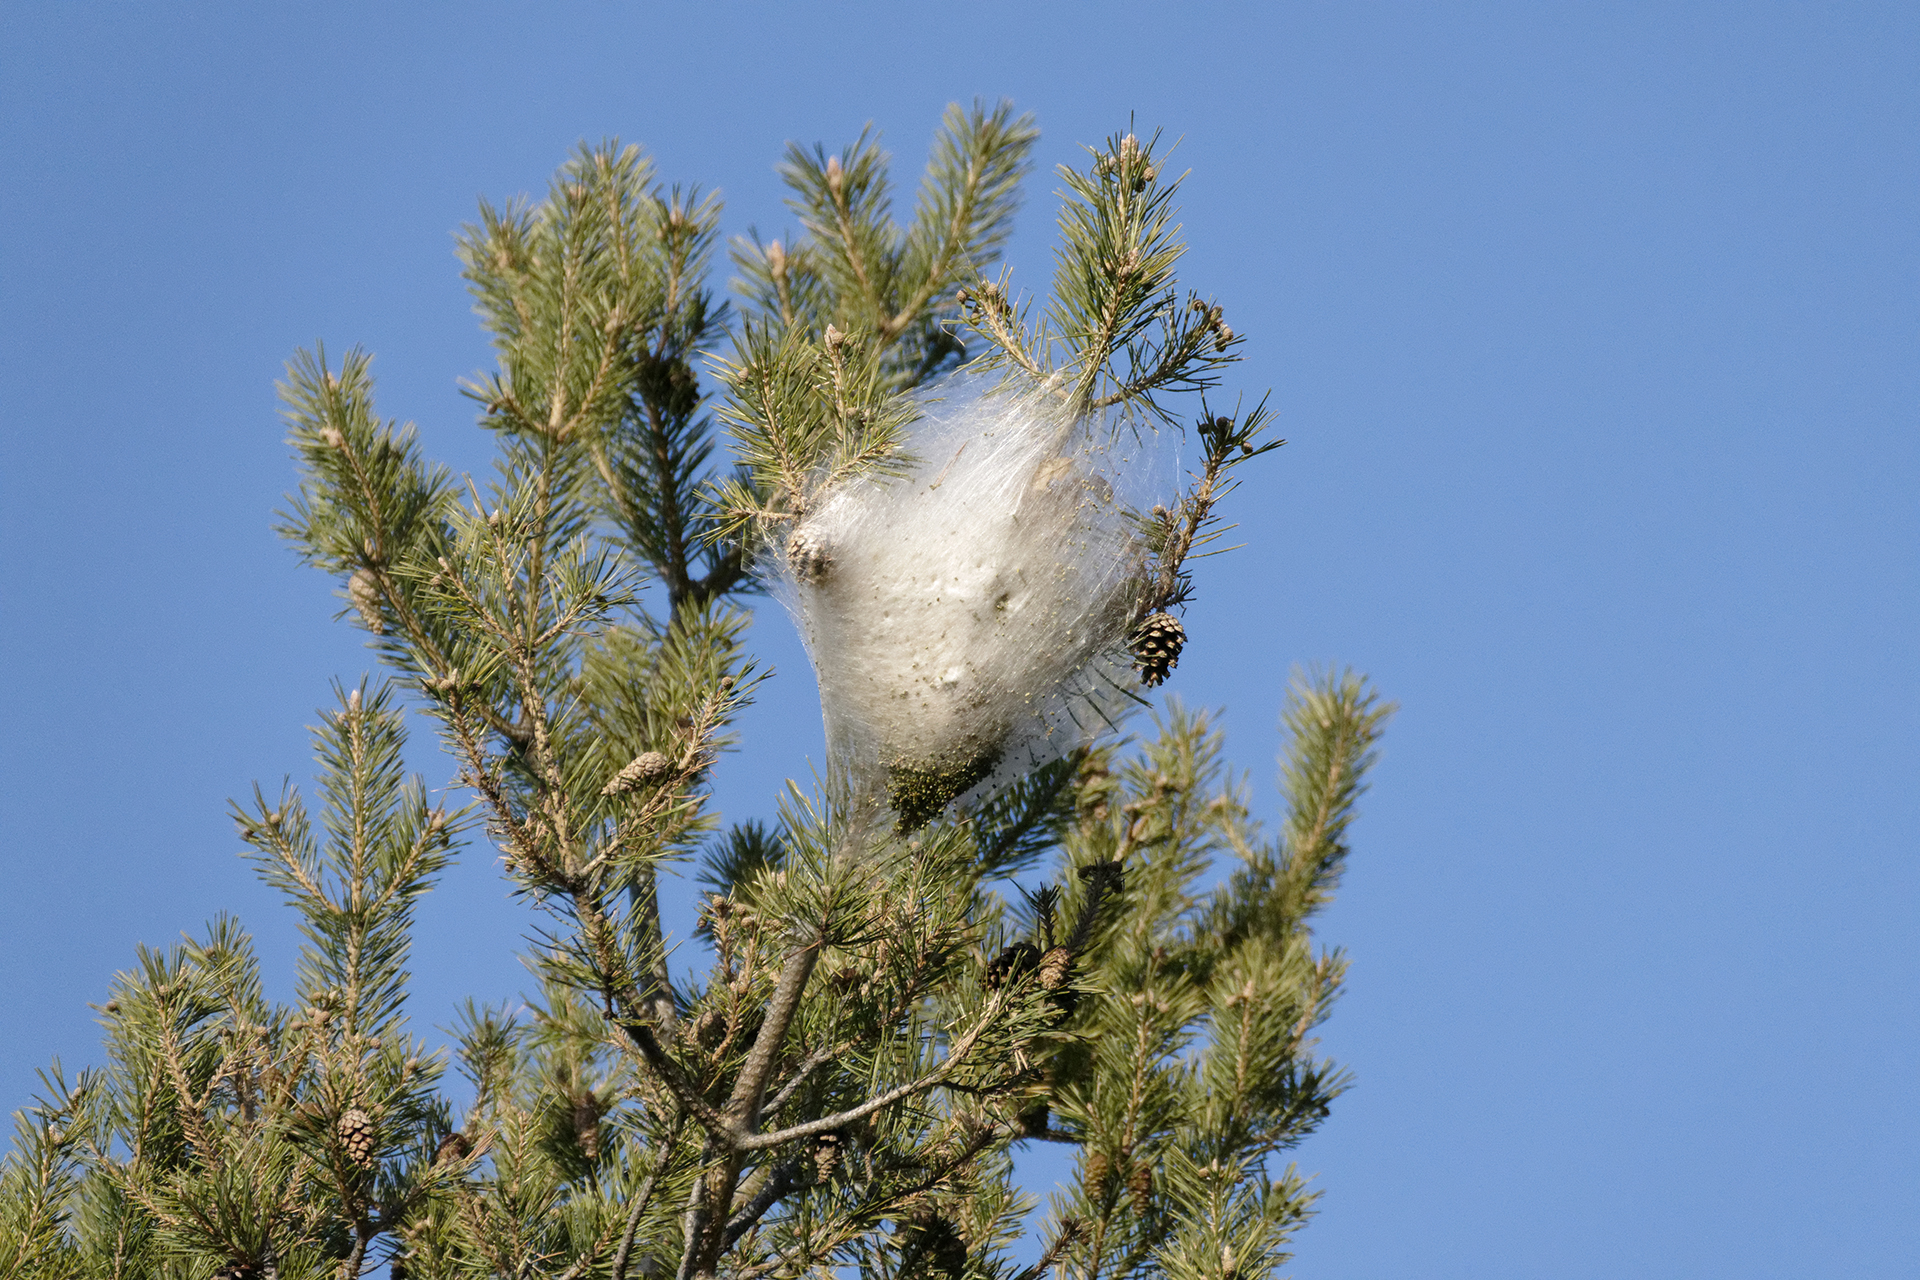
(1592, 328)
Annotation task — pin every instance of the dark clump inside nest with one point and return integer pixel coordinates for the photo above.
(919, 790)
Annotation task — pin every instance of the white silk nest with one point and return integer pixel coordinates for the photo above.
(968, 619)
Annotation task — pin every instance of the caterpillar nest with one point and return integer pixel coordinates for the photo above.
(969, 618)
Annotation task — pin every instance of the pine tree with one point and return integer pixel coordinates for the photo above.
(892, 1007)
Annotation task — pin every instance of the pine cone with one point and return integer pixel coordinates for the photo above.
(452, 1149)
(364, 592)
(586, 1125)
(826, 1156)
(648, 766)
(1157, 642)
(1012, 963)
(934, 1237)
(946, 1250)
(1098, 1168)
(1140, 1184)
(709, 1028)
(807, 557)
(1055, 967)
(356, 1136)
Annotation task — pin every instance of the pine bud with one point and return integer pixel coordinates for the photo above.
(647, 767)
(357, 1136)
(364, 591)
(834, 338)
(353, 702)
(1221, 337)
(834, 174)
(333, 438)
(776, 260)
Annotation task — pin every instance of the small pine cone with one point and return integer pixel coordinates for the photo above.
(946, 1251)
(708, 1028)
(1012, 963)
(364, 592)
(1098, 1169)
(1157, 643)
(807, 557)
(932, 1235)
(648, 766)
(826, 1156)
(356, 1136)
(1140, 1184)
(586, 1125)
(1055, 967)
(452, 1149)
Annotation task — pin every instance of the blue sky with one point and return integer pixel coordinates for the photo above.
(1592, 329)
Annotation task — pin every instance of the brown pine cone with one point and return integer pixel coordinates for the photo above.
(647, 767)
(1055, 967)
(1140, 1184)
(357, 1136)
(1157, 643)
(1016, 961)
(586, 1125)
(826, 1156)
(807, 557)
